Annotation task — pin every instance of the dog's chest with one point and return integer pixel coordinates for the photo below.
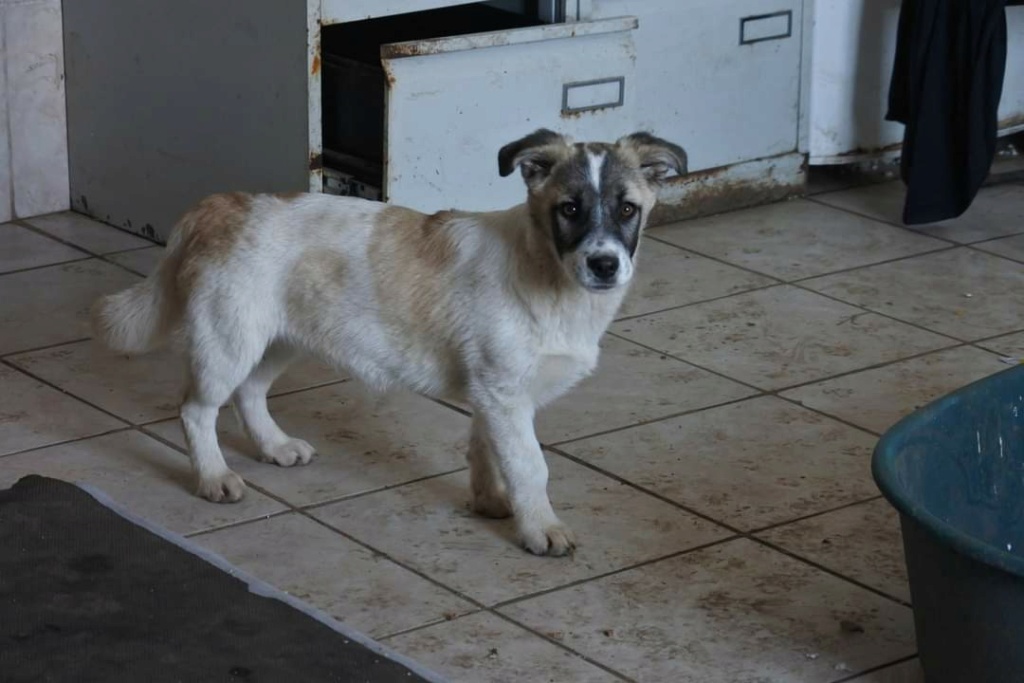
(557, 372)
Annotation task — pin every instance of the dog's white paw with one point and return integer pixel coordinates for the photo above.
(555, 539)
(493, 504)
(291, 452)
(224, 488)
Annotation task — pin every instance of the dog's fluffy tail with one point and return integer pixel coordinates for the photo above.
(140, 318)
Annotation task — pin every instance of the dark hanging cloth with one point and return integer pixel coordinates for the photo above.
(946, 83)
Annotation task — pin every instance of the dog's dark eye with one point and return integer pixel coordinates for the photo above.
(570, 209)
(627, 210)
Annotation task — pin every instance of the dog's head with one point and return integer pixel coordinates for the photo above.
(592, 198)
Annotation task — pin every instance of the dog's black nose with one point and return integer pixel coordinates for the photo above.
(604, 267)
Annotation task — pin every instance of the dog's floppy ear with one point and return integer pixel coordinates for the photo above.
(657, 156)
(534, 154)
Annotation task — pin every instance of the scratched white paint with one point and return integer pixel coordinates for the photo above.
(34, 99)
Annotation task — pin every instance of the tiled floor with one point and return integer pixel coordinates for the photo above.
(716, 468)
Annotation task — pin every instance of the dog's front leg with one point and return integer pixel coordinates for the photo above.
(508, 429)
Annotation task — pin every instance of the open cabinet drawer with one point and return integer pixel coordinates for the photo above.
(452, 102)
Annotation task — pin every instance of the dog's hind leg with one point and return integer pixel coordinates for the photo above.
(218, 366)
(251, 403)
(490, 497)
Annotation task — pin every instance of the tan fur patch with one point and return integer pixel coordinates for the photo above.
(209, 232)
(410, 253)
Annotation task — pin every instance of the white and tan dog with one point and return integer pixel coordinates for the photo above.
(502, 310)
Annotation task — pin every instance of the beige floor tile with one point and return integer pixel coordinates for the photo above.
(907, 672)
(876, 399)
(750, 464)
(862, 542)
(148, 478)
(363, 443)
(323, 568)
(484, 648)
(428, 526)
(667, 277)
(142, 261)
(142, 388)
(778, 337)
(21, 248)
(932, 291)
(729, 613)
(996, 211)
(631, 385)
(33, 414)
(51, 305)
(797, 239)
(84, 232)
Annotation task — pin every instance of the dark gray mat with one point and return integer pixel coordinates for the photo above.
(87, 594)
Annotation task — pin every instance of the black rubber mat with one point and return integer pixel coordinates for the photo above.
(87, 594)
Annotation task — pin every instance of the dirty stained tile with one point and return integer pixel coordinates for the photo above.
(485, 647)
(667, 276)
(141, 474)
(428, 526)
(21, 248)
(796, 239)
(632, 384)
(862, 542)
(749, 465)
(732, 613)
(359, 588)
(142, 261)
(907, 672)
(960, 292)
(996, 211)
(139, 388)
(51, 305)
(87, 233)
(33, 414)
(876, 399)
(778, 337)
(363, 442)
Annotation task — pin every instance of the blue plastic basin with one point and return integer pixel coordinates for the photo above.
(955, 471)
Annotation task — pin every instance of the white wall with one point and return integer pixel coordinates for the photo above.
(33, 120)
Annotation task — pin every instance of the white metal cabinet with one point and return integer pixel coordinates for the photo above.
(453, 102)
(724, 100)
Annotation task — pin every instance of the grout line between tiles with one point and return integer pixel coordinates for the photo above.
(614, 572)
(813, 515)
(65, 442)
(853, 677)
(650, 421)
(29, 269)
(827, 570)
(92, 253)
(17, 368)
(634, 316)
(46, 347)
(737, 532)
(563, 646)
(817, 199)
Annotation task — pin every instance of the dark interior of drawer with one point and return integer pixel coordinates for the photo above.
(353, 81)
